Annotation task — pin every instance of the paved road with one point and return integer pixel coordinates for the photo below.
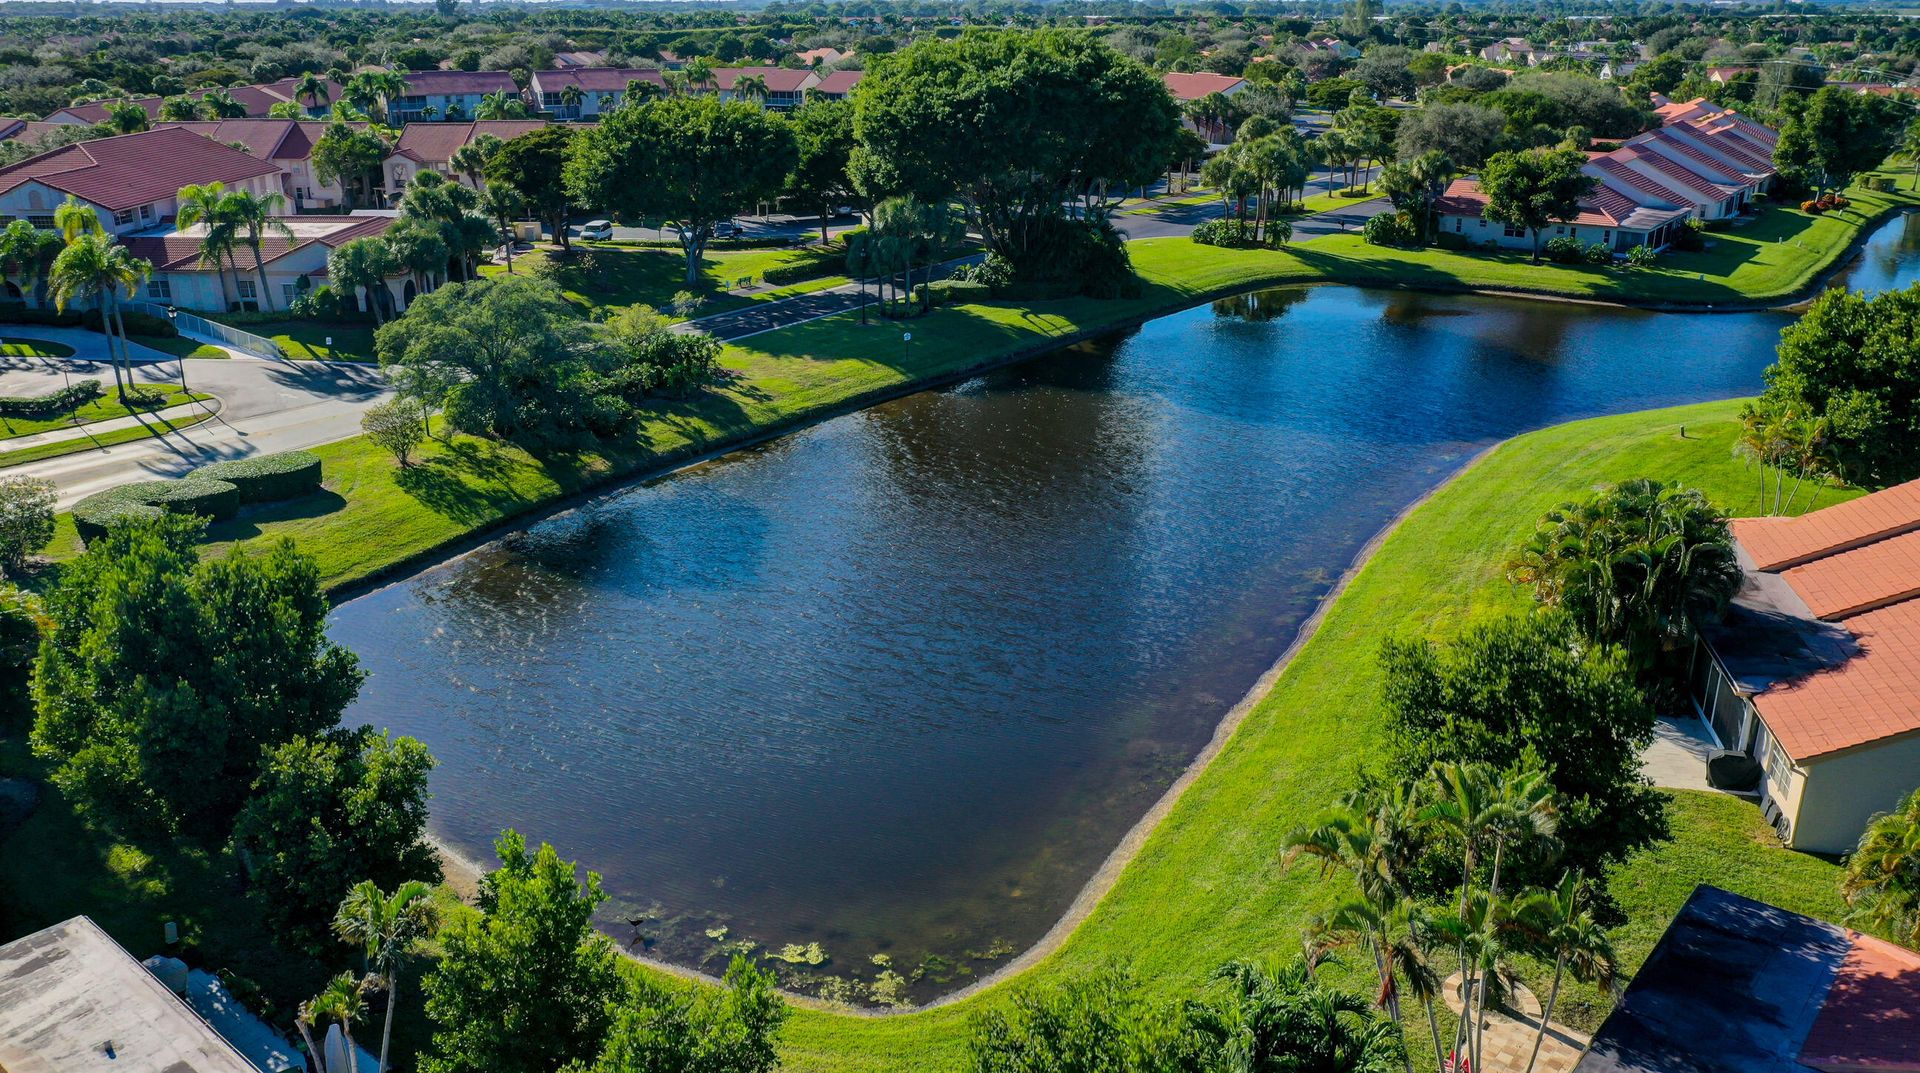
(266, 406)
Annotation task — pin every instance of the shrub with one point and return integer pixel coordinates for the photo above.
(396, 426)
(1224, 232)
(67, 398)
(1642, 256)
(1599, 254)
(94, 515)
(1688, 238)
(1565, 250)
(20, 314)
(1390, 229)
(1447, 240)
(265, 478)
(1811, 206)
(946, 292)
(26, 519)
(995, 273)
(321, 303)
(1880, 183)
(812, 266)
(137, 323)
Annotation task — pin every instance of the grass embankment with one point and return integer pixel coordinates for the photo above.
(105, 408)
(1207, 885)
(16, 347)
(66, 539)
(606, 277)
(179, 346)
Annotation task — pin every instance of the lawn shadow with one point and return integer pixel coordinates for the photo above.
(248, 523)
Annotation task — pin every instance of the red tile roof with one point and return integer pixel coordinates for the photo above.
(136, 169)
(1195, 85)
(596, 79)
(1856, 564)
(779, 79)
(179, 251)
(269, 139)
(1870, 1020)
(1604, 207)
(838, 83)
(24, 130)
(427, 83)
(435, 143)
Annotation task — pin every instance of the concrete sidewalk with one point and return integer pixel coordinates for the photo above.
(112, 424)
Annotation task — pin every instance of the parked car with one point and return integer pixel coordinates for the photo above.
(728, 229)
(597, 230)
(841, 212)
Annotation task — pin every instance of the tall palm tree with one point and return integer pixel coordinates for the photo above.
(255, 215)
(94, 267)
(314, 89)
(428, 111)
(470, 160)
(699, 74)
(363, 263)
(344, 1001)
(1283, 1017)
(500, 105)
(73, 219)
(503, 205)
(208, 204)
(1882, 880)
(572, 96)
(418, 247)
(387, 927)
(750, 88)
(1910, 145)
(1560, 926)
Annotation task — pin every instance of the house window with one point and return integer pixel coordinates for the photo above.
(1459, 224)
(1607, 237)
(160, 289)
(146, 212)
(1515, 232)
(1560, 229)
(124, 216)
(300, 193)
(288, 292)
(247, 289)
(550, 100)
(44, 223)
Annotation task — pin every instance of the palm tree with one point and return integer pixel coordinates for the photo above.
(1283, 1017)
(219, 104)
(179, 109)
(1882, 880)
(428, 111)
(344, 1001)
(363, 263)
(1910, 145)
(503, 205)
(572, 96)
(254, 215)
(1561, 927)
(699, 74)
(94, 267)
(73, 219)
(314, 89)
(500, 105)
(386, 927)
(750, 88)
(207, 204)
(639, 90)
(29, 251)
(470, 160)
(418, 247)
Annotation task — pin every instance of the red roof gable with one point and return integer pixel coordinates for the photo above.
(1870, 1020)
(136, 169)
(1195, 85)
(596, 79)
(425, 83)
(435, 143)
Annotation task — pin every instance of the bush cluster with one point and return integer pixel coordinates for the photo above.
(1390, 229)
(812, 266)
(1826, 203)
(946, 292)
(995, 273)
(1642, 257)
(137, 323)
(1567, 250)
(67, 398)
(265, 478)
(213, 491)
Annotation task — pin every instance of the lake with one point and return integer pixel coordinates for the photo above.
(897, 683)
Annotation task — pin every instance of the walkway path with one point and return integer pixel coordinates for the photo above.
(112, 424)
(1507, 1041)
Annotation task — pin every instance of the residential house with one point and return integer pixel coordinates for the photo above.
(785, 86)
(1723, 75)
(821, 57)
(1739, 986)
(836, 85)
(132, 182)
(258, 100)
(1508, 50)
(574, 60)
(1187, 87)
(181, 278)
(1814, 671)
(1333, 46)
(430, 146)
(1706, 162)
(602, 89)
(1618, 70)
(73, 1001)
(451, 95)
(25, 130)
(288, 145)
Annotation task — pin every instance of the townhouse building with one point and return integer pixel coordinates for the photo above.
(431, 146)
(601, 89)
(448, 95)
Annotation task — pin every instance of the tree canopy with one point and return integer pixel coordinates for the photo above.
(1853, 361)
(1534, 188)
(534, 164)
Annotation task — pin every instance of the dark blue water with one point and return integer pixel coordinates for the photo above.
(896, 684)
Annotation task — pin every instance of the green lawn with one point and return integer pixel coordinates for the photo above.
(104, 408)
(61, 448)
(307, 339)
(16, 347)
(604, 277)
(180, 346)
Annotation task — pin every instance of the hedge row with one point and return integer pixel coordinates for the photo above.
(213, 491)
(71, 397)
(812, 266)
(265, 478)
(946, 292)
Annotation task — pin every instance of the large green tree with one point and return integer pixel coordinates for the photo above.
(1534, 188)
(1529, 686)
(350, 156)
(328, 811)
(505, 357)
(164, 678)
(1853, 362)
(535, 165)
(526, 984)
(697, 1029)
(823, 133)
(704, 161)
(1017, 125)
(1882, 881)
(1838, 135)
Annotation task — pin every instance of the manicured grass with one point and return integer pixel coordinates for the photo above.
(16, 347)
(604, 277)
(180, 346)
(1187, 200)
(307, 339)
(61, 448)
(105, 408)
(1338, 199)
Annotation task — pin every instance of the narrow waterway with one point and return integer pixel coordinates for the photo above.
(897, 683)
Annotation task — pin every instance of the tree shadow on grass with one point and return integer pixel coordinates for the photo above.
(466, 487)
(247, 524)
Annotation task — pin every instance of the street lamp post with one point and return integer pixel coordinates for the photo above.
(173, 318)
(906, 344)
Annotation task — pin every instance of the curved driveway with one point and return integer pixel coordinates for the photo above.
(266, 406)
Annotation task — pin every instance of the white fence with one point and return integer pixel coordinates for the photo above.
(224, 334)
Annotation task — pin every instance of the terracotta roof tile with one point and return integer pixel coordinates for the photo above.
(1847, 583)
(1777, 543)
(427, 83)
(838, 83)
(136, 169)
(1871, 1017)
(435, 143)
(1873, 695)
(1192, 87)
(595, 79)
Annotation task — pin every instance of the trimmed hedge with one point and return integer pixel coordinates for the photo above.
(946, 292)
(71, 397)
(265, 478)
(813, 266)
(149, 499)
